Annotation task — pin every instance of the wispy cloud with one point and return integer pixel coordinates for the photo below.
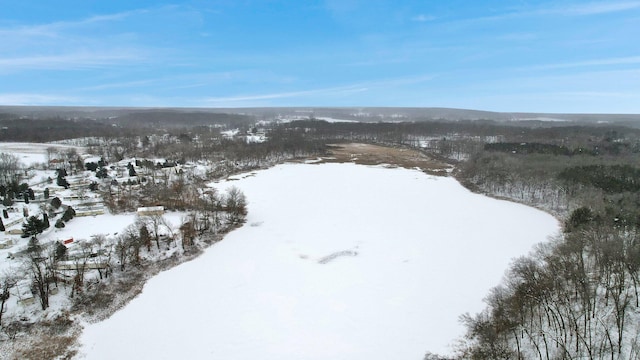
(281, 95)
(71, 61)
(119, 85)
(576, 9)
(518, 36)
(54, 29)
(332, 91)
(599, 94)
(595, 8)
(36, 99)
(423, 18)
(628, 60)
(67, 45)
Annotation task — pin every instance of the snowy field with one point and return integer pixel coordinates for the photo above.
(32, 153)
(336, 261)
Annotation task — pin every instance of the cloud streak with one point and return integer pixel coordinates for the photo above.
(332, 91)
(423, 18)
(281, 95)
(628, 60)
(53, 28)
(35, 99)
(70, 61)
(596, 8)
(574, 10)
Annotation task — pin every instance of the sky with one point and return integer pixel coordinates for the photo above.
(562, 56)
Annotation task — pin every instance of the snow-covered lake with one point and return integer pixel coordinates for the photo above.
(336, 261)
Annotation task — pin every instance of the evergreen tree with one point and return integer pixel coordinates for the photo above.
(132, 170)
(101, 173)
(61, 251)
(68, 214)
(56, 202)
(61, 181)
(32, 227)
(93, 186)
(91, 166)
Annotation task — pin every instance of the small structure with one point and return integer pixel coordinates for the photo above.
(17, 231)
(151, 210)
(7, 244)
(70, 265)
(25, 296)
(13, 222)
(93, 212)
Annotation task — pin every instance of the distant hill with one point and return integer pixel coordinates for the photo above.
(193, 116)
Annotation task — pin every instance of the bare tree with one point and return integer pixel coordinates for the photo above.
(155, 222)
(235, 203)
(103, 254)
(51, 152)
(121, 249)
(80, 259)
(7, 281)
(40, 265)
(9, 168)
(188, 231)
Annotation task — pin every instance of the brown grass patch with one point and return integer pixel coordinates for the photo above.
(368, 154)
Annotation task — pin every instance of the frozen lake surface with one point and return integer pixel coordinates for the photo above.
(336, 261)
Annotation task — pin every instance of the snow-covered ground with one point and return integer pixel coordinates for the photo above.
(92, 218)
(32, 153)
(333, 120)
(336, 261)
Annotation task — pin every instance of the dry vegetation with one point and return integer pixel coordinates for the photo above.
(367, 154)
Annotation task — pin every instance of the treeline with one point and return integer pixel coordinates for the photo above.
(52, 129)
(134, 123)
(178, 119)
(602, 148)
(529, 148)
(609, 178)
(575, 297)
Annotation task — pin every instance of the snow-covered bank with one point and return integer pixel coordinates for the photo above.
(336, 261)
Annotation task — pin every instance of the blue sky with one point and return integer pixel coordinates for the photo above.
(540, 56)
